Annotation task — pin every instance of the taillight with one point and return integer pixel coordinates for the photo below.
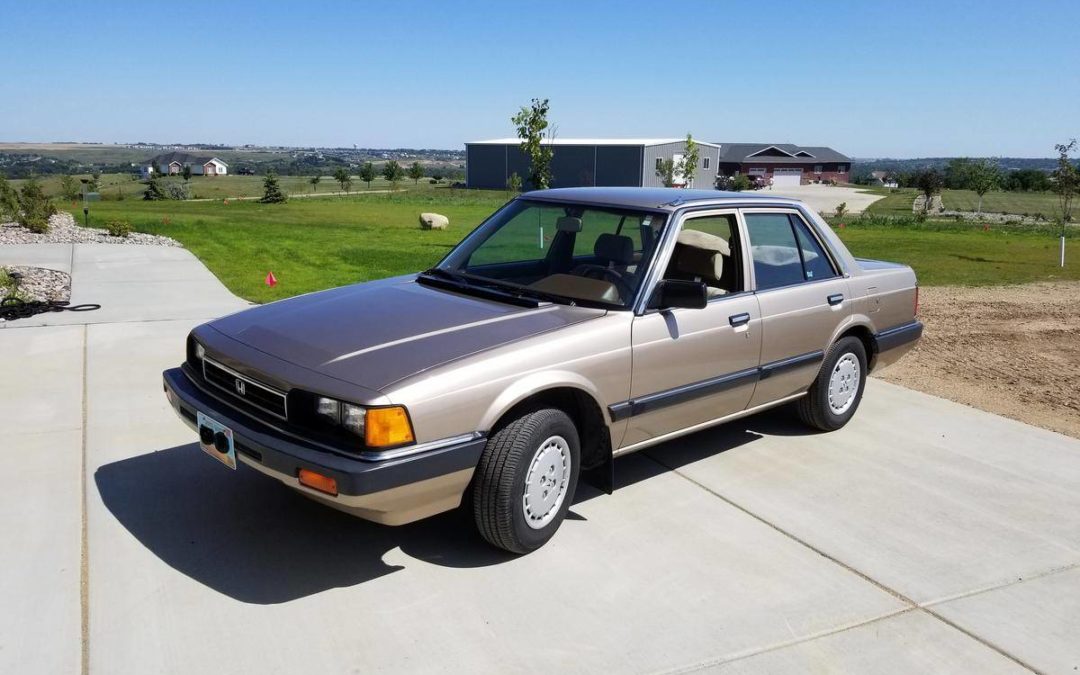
(916, 312)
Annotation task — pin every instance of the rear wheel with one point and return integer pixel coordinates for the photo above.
(526, 480)
(835, 394)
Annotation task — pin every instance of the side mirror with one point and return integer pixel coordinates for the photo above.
(675, 293)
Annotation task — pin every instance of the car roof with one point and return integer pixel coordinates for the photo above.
(667, 199)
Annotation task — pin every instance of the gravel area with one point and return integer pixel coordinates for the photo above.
(64, 230)
(1010, 350)
(40, 284)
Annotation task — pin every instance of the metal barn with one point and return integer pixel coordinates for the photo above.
(582, 162)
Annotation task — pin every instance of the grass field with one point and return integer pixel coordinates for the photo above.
(116, 187)
(898, 202)
(311, 244)
(1017, 203)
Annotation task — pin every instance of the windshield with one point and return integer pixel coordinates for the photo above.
(595, 255)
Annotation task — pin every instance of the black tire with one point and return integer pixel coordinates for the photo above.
(814, 408)
(498, 486)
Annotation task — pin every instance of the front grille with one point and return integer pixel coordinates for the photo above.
(246, 389)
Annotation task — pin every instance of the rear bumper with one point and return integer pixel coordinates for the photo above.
(390, 491)
(895, 342)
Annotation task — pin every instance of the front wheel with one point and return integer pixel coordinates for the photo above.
(526, 480)
(835, 394)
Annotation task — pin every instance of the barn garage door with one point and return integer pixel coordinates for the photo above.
(787, 177)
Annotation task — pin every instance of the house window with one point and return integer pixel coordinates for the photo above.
(841, 168)
(659, 163)
(705, 163)
(817, 168)
(756, 171)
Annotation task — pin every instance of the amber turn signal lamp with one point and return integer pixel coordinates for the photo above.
(317, 481)
(387, 426)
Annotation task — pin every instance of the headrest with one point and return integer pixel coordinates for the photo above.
(704, 240)
(701, 254)
(615, 248)
(568, 224)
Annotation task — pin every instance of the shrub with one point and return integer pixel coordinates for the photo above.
(118, 228)
(9, 201)
(178, 191)
(34, 207)
(154, 192)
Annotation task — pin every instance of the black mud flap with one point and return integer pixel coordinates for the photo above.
(601, 476)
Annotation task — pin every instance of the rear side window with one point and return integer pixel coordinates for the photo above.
(816, 264)
(784, 252)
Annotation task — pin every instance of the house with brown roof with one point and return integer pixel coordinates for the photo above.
(784, 163)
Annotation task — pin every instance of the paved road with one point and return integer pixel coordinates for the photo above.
(924, 537)
(825, 198)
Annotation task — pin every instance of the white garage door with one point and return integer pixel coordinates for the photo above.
(787, 177)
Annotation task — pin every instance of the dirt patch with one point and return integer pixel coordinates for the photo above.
(1010, 350)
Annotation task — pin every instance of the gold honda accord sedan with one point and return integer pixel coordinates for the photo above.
(571, 327)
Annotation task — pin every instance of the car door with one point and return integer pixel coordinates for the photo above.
(692, 366)
(804, 299)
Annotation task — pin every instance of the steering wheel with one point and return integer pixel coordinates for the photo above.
(608, 274)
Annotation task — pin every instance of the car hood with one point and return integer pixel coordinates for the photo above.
(377, 333)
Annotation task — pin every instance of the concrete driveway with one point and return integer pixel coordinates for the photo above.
(825, 198)
(924, 537)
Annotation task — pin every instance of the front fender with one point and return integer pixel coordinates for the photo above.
(535, 383)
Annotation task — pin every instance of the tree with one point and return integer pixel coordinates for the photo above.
(929, 182)
(154, 191)
(982, 177)
(437, 175)
(341, 175)
(416, 172)
(532, 128)
(314, 180)
(665, 171)
(1066, 178)
(367, 173)
(95, 181)
(513, 183)
(272, 193)
(69, 187)
(691, 158)
(186, 173)
(393, 172)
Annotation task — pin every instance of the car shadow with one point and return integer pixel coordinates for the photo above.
(256, 541)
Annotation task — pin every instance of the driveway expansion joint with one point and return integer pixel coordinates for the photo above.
(912, 604)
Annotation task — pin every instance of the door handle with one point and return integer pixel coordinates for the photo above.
(737, 320)
(835, 298)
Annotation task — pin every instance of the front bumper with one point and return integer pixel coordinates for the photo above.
(391, 491)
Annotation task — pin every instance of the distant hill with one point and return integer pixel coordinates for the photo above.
(903, 165)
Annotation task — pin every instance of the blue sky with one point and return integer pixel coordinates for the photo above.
(873, 79)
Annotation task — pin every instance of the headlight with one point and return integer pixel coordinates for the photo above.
(200, 351)
(346, 415)
(379, 427)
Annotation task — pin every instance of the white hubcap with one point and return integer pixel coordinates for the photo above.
(546, 482)
(843, 383)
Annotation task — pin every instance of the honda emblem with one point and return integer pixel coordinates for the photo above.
(240, 389)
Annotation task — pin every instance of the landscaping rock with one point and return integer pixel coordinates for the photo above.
(433, 221)
(64, 230)
(40, 284)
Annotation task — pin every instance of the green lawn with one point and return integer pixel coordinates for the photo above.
(897, 202)
(966, 256)
(311, 244)
(1018, 203)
